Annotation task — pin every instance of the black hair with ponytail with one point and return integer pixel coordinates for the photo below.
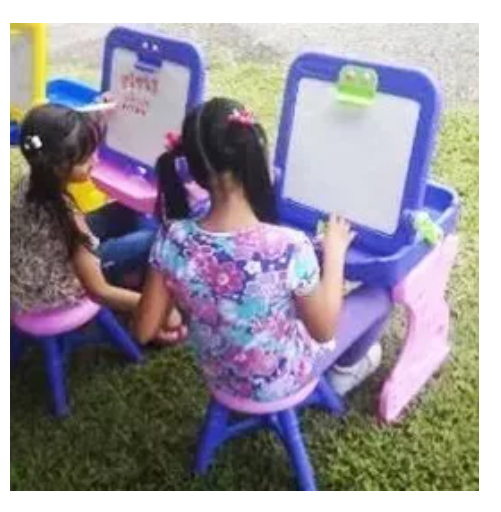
(214, 144)
(54, 139)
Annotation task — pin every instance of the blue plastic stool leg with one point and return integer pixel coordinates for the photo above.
(16, 347)
(294, 443)
(329, 399)
(55, 367)
(212, 435)
(118, 335)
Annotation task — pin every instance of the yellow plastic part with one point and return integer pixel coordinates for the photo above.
(38, 34)
(87, 196)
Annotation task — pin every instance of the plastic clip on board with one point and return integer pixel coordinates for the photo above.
(427, 229)
(357, 85)
(149, 59)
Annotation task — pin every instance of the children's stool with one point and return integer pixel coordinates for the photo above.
(280, 416)
(54, 332)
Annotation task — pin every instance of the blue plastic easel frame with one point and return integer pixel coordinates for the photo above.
(406, 83)
(152, 50)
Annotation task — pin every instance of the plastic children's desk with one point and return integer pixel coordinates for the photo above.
(356, 138)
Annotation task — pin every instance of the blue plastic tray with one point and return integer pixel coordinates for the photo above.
(442, 204)
(70, 93)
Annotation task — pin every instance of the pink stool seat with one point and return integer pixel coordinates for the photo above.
(247, 406)
(57, 321)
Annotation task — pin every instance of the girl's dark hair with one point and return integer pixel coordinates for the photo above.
(54, 139)
(213, 144)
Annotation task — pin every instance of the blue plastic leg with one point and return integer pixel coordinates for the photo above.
(329, 399)
(244, 427)
(212, 435)
(54, 364)
(16, 347)
(294, 443)
(118, 335)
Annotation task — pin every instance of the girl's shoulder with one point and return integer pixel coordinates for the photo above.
(287, 234)
(176, 230)
(181, 231)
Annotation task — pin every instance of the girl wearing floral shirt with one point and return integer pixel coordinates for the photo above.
(262, 315)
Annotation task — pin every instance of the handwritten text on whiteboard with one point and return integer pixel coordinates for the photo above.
(136, 92)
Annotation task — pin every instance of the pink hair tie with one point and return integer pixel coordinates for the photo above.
(242, 117)
(172, 141)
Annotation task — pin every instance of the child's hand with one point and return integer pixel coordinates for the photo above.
(107, 98)
(337, 236)
(101, 109)
(173, 329)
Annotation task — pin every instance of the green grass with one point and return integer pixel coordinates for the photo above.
(135, 428)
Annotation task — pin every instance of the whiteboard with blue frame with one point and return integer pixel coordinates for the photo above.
(155, 81)
(367, 163)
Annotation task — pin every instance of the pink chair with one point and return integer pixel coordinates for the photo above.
(54, 331)
(280, 416)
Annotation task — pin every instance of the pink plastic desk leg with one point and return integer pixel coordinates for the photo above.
(426, 346)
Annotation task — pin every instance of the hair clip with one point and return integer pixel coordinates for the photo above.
(172, 141)
(33, 142)
(242, 117)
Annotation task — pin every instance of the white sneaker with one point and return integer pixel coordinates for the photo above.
(346, 378)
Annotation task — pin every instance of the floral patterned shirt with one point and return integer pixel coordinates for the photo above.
(237, 290)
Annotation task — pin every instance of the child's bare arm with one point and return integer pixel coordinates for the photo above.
(155, 305)
(88, 270)
(320, 310)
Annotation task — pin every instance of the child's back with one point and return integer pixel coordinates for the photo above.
(41, 274)
(238, 290)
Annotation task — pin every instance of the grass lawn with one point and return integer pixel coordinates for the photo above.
(135, 428)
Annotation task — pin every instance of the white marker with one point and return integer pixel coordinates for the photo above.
(97, 107)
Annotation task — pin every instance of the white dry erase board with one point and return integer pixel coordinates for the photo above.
(154, 81)
(351, 160)
(150, 103)
(362, 152)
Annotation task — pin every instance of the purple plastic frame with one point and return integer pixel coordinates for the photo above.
(159, 49)
(403, 82)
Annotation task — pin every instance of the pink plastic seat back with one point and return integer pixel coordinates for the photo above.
(56, 321)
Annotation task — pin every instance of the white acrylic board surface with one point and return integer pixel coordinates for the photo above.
(349, 159)
(138, 127)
